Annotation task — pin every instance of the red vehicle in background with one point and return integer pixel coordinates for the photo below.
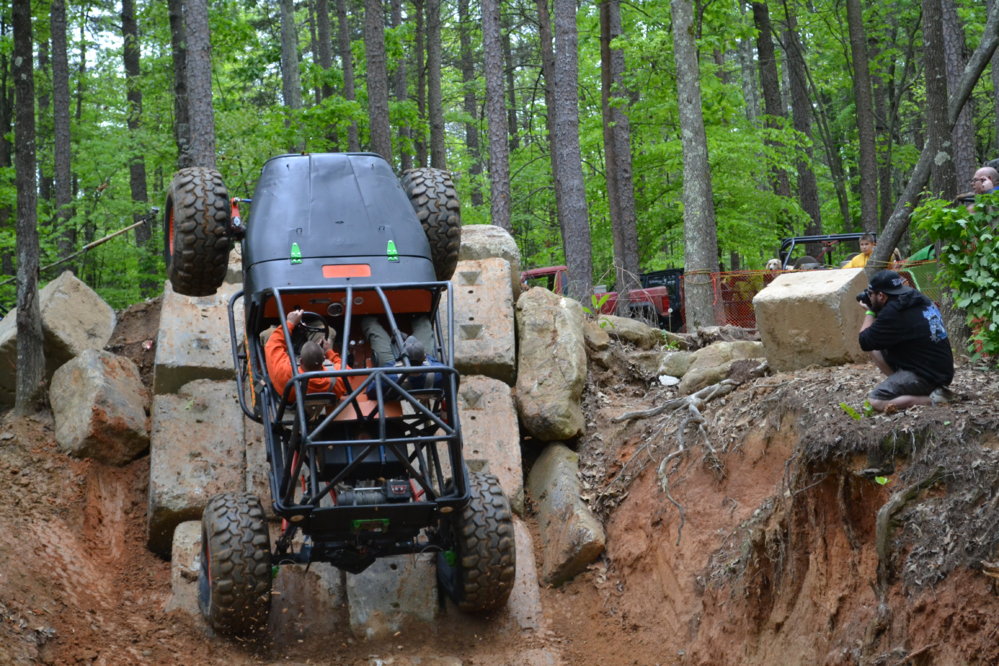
(658, 301)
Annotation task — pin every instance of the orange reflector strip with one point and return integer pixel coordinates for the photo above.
(346, 270)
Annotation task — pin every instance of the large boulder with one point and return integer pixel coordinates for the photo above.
(571, 536)
(711, 364)
(487, 241)
(100, 408)
(74, 319)
(632, 331)
(484, 335)
(551, 366)
(811, 318)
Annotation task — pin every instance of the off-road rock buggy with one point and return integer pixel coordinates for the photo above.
(379, 471)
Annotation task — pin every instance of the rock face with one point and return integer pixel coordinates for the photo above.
(484, 336)
(491, 435)
(100, 405)
(193, 341)
(551, 366)
(487, 241)
(811, 318)
(74, 319)
(196, 452)
(571, 535)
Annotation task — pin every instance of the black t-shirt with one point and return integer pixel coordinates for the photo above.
(910, 334)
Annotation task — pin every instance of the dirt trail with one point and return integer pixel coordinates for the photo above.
(757, 544)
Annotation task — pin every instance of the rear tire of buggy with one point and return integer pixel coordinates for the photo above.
(195, 231)
(432, 193)
(484, 562)
(234, 581)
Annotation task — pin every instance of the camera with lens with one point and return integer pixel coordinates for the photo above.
(864, 297)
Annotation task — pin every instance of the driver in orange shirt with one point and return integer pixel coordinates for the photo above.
(310, 359)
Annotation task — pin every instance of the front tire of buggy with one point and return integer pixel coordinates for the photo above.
(234, 580)
(195, 231)
(478, 574)
(432, 193)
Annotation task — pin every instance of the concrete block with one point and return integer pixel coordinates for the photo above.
(393, 594)
(491, 434)
(487, 241)
(811, 318)
(306, 602)
(74, 319)
(193, 341)
(571, 536)
(484, 336)
(523, 611)
(185, 562)
(196, 451)
(100, 408)
(257, 467)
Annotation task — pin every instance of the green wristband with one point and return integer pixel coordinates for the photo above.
(870, 312)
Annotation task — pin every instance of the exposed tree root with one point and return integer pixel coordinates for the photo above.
(883, 524)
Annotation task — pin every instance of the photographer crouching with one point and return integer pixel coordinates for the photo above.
(905, 334)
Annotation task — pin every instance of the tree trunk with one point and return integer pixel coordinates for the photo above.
(291, 81)
(750, 92)
(438, 158)
(963, 136)
(133, 74)
(569, 177)
(378, 106)
(470, 104)
(45, 180)
(420, 139)
(347, 63)
(511, 88)
(6, 150)
(801, 111)
(30, 354)
(182, 122)
(699, 232)
(499, 156)
(617, 156)
(60, 125)
(324, 47)
(401, 85)
(199, 83)
(868, 160)
(773, 106)
(938, 129)
(548, 72)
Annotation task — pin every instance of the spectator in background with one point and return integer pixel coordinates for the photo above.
(984, 181)
(867, 245)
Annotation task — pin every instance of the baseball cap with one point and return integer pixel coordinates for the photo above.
(888, 282)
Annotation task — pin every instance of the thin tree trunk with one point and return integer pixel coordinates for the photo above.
(801, 111)
(438, 158)
(347, 63)
(30, 354)
(182, 122)
(291, 80)
(499, 157)
(45, 181)
(938, 129)
(868, 161)
(750, 92)
(699, 232)
(511, 89)
(199, 83)
(378, 106)
(548, 72)
(324, 47)
(60, 125)
(963, 135)
(773, 106)
(420, 139)
(617, 156)
(565, 142)
(6, 148)
(470, 104)
(401, 93)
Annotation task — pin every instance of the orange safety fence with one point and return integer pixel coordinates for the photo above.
(734, 290)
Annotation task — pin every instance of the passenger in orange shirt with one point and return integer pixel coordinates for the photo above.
(310, 359)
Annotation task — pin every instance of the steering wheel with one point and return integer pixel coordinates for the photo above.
(311, 327)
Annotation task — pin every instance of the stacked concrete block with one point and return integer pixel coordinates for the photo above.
(491, 435)
(185, 562)
(487, 241)
(194, 341)
(394, 594)
(196, 451)
(811, 318)
(74, 319)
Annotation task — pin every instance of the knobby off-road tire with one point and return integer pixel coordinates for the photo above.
(485, 559)
(234, 583)
(195, 234)
(435, 201)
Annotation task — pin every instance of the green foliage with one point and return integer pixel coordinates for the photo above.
(968, 264)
